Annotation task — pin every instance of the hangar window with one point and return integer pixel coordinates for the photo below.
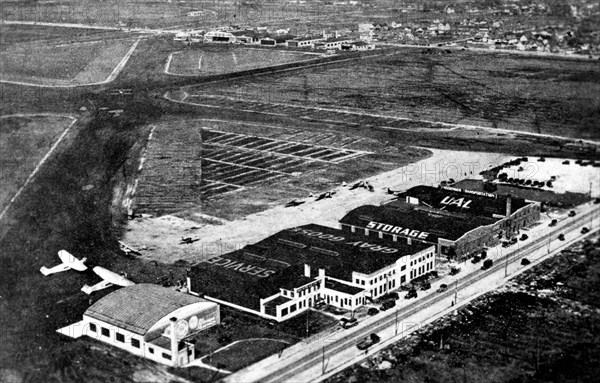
(120, 337)
(105, 331)
(166, 356)
(135, 343)
(93, 327)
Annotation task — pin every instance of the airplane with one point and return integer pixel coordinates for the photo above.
(109, 278)
(294, 203)
(394, 192)
(188, 240)
(325, 195)
(359, 184)
(68, 262)
(128, 249)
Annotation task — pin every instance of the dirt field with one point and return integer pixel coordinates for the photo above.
(24, 141)
(524, 333)
(492, 90)
(62, 64)
(205, 59)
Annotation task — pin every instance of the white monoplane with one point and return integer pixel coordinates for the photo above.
(109, 278)
(68, 262)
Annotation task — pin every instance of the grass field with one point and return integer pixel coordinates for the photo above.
(493, 90)
(58, 64)
(524, 333)
(24, 141)
(217, 60)
(244, 353)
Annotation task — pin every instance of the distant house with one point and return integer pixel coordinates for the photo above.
(219, 37)
(357, 46)
(304, 42)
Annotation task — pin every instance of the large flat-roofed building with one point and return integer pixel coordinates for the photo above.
(459, 222)
(149, 321)
(286, 273)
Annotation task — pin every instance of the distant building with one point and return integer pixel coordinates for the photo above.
(304, 42)
(148, 320)
(219, 37)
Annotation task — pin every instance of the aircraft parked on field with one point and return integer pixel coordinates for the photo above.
(294, 203)
(109, 278)
(68, 262)
(188, 240)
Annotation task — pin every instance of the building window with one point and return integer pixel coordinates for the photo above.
(284, 312)
(293, 308)
(151, 350)
(403, 279)
(166, 356)
(403, 268)
(93, 327)
(135, 343)
(120, 337)
(105, 332)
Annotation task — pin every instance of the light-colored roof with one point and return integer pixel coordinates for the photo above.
(138, 307)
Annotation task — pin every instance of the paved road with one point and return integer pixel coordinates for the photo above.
(319, 358)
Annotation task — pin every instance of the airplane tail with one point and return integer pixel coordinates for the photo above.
(87, 289)
(44, 270)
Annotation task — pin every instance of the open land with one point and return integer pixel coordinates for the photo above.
(541, 327)
(64, 64)
(207, 61)
(24, 141)
(555, 97)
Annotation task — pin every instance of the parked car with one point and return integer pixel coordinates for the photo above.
(368, 342)
(585, 230)
(483, 254)
(553, 223)
(561, 237)
(524, 237)
(443, 287)
(425, 286)
(566, 162)
(388, 305)
(525, 262)
(411, 294)
(372, 311)
(541, 159)
(572, 213)
(349, 322)
(454, 270)
(475, 259)
(487, 264)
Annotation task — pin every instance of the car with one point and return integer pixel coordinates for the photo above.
(524, 237)
(443, 287)
(388, 305)
(484, 254)
(425, 286)
(506, 243)
(411, 294)
(454, 270)
(561, 237)
(348, 322)
(566, 162)
(541, 159)
(597, 200)
(525, 262)
(513, 240)
(572, 213)
(368, 342)
(487, 264)
(475, 259)
(553, 223)
(585, 230)
(372, 311)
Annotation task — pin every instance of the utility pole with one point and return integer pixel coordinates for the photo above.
(323, 363)
(396, 320)
(456, 292)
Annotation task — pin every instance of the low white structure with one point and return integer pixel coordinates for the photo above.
(148, 320)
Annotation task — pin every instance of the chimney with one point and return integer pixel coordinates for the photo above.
(321, 273)
(174, 343)
(307, 270)
(508, 205)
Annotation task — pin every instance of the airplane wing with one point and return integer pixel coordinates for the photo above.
(98, 286)
(56, 269)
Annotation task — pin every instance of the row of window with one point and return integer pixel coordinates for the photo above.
(421, 270)
(121, 338)
(362, 282)
(301, 293)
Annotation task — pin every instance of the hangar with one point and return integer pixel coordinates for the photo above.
(148, 320)
(459, 222)
(289, 272)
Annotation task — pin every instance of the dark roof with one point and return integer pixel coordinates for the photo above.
(567, 199)
(277, 301)
(259, 270)
(138, 307)
(342, 287)
(309, 38)
(445, 198)
(432, 224)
